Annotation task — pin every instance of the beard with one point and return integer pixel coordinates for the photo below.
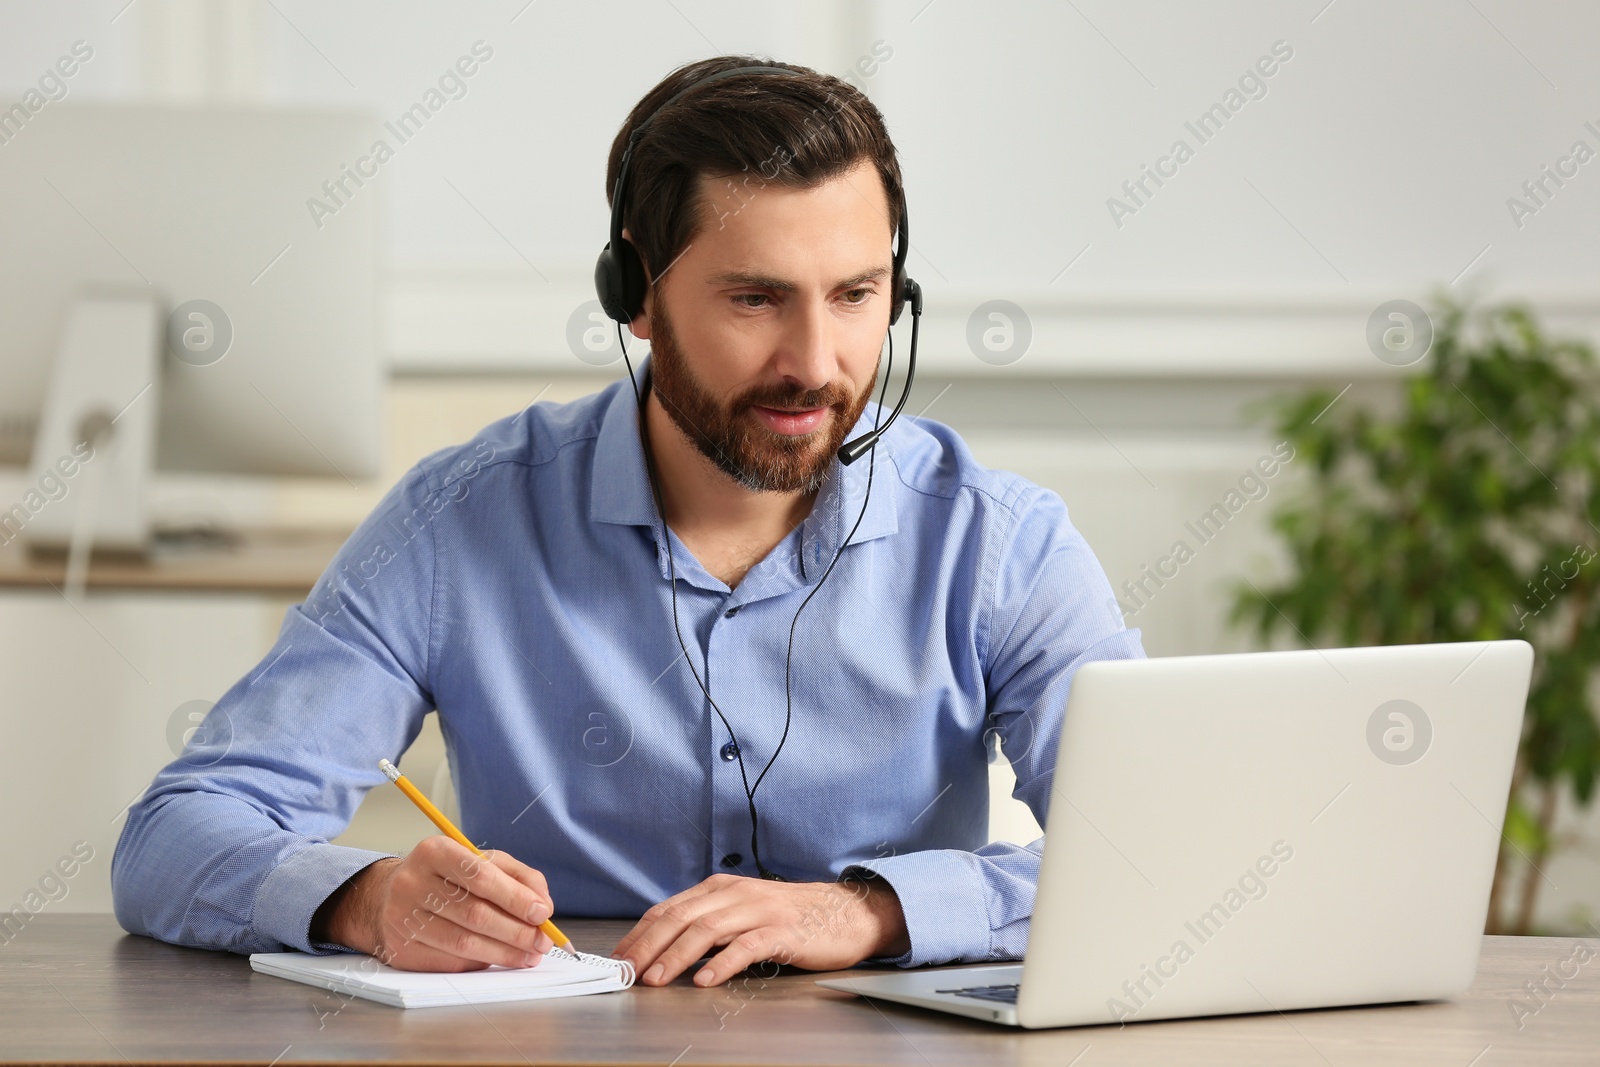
(734, 438)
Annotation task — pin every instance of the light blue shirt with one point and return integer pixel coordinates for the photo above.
(518, 584)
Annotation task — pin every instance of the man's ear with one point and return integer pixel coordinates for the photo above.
(640, 326)
(641, 322)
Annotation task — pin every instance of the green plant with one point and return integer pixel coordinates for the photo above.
(1469, 511)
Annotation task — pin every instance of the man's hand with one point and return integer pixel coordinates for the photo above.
(821, 926)
(441, 908)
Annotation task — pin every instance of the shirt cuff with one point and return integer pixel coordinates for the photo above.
(942, 896)
(291, 894)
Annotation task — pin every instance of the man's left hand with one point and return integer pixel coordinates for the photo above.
(821, 926)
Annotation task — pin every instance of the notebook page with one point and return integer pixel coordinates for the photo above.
(557, 974)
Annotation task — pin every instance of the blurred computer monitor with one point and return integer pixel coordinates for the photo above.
(260, 215)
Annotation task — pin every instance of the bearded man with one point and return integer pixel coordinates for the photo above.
(626, 608)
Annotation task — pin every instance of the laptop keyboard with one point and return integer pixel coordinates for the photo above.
(1006, 994)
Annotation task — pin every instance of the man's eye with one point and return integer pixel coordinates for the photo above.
(857, 296)
(751, 300)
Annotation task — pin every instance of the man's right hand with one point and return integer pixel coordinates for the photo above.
(441, 908)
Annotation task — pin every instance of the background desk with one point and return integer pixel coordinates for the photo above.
(267, 562)
(75, 989)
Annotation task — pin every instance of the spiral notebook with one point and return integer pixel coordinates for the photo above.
(558, 974)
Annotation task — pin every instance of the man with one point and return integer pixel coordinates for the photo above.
(614, 713)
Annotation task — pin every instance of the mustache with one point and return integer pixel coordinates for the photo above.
(818, 398)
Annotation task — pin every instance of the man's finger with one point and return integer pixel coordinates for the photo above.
(482, 916)
(713, 927)
(483, 877)
(657, 913)
(479, 895)
(529, 877)
(749, 948)
(665, 922)
(469, 949)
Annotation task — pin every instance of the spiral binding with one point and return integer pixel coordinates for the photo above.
(624, 967)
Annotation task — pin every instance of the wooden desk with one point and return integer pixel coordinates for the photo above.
(273, 562)
(75, 989)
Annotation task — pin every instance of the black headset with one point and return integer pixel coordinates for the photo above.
(619, 280)
(619, 272)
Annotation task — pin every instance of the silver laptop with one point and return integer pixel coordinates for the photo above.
(1259, 832)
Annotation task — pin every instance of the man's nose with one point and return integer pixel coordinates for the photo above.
(808, 352)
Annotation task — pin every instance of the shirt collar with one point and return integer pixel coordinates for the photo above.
(620, 489)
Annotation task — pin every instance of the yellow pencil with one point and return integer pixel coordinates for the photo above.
(448, 828)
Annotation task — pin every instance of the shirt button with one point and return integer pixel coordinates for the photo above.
(732, 859)
(730, 751)
(730, 613)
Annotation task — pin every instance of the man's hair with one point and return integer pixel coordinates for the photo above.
(754, 129)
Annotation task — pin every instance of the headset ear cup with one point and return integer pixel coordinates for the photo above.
(619, 282)
(608, 286)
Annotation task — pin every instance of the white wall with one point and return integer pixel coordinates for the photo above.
(1378, 164)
